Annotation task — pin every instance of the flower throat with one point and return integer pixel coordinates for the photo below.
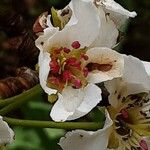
(67, 67)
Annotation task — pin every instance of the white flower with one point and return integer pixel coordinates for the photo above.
(111, 16)
(127, 120)
(70, 69)
(75, 87)
(6, 133)
(115, 11)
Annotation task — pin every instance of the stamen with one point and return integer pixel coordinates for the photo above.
(68, 66)
(77, 83)
(85, 71)
(66, 50)
(76, 44)
(58, 50)
(125, 114)
(54, 66)
(67, 75)
(85, 57)
(143, 145)
(54, 80)
(72, 61)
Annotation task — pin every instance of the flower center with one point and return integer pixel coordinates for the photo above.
(131, 122)
(67, 67)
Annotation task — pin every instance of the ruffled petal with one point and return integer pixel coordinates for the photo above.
(117, 90)
(48, 33)
(44, 68)
(134, 80)
(108, 32)
(147, 66)
(6, 132)
(75, 103)
(135, 75)
(116, 12)
(87, 140)
(85, 31)
(111, 64)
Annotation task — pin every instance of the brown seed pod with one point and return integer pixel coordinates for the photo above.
(25, 79)
(20, 40)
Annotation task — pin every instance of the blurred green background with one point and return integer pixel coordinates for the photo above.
(136, 42)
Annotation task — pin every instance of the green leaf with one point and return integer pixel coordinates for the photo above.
(55, 18)
(98, 114)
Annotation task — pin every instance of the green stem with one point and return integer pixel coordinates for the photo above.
(17, 101)
(59, 125)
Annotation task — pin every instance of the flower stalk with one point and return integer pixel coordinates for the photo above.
(58, 125)
(16, 101)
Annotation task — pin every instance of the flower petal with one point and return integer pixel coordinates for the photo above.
(135, 75)
(112, 64)
(75, 103)
(85, 35)
(117, 90)
(108, 32)
(134, 80)
(44, 59)
(6, 132)
(117, 13)
(48, 33)
(87, 140)
(147, 66)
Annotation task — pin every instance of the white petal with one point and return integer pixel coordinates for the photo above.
(108, 32)
(44, 59)
(135, 75)
(75, 103)
(73, 20)
(117, 89)
(105, 56)
(85, 31)
(6, 133)
(134, 80)
(87, 140)
(147, 67)
(48, 33)
(117, 13)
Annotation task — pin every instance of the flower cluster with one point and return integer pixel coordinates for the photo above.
(75, 57)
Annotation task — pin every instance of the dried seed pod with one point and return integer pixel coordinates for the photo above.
(28, 53)
(24, 47)
(12, 43)
(21, 40)
(25, 79)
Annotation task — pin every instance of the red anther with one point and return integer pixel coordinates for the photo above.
(84, 56)
(125, 114)
(85, 71)
(76, 44)
(71, 61)
(54, 80)
(143, 145)
(54, 66)
(58, 50)
(66, 50)
(77, 83)
(67, 75)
